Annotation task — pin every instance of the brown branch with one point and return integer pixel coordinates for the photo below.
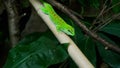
(106, 22)
(97, 18)
(83, 27)
(13, 19)
(103, 11)
(109, 19)
(112, 7)
(75, 13)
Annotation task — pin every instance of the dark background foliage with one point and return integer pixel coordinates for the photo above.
(38, 47)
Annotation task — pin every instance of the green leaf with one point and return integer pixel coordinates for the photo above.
(89, 50)
(36, 52)
(108, 56)
(116, 9)
(72, 64)
(113, 29)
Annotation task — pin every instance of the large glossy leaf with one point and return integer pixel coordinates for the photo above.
(72, 64)
(113, 28)
(89, 50)
(36, 52)
(111, 58)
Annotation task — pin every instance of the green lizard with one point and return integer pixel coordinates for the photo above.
(60, 24)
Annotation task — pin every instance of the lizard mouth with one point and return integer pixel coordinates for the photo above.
(70, 33)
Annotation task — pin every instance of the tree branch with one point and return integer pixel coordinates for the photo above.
(64, 9)
(75, 13)
(13, 19)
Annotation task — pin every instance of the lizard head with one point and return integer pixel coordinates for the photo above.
(69, 30)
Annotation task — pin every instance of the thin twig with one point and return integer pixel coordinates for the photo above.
(99, 15)
(106, 22)
(71, 3)
(83, 27)
(112, 7)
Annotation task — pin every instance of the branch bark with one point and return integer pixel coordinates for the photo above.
(64, 9)
(13, 19)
